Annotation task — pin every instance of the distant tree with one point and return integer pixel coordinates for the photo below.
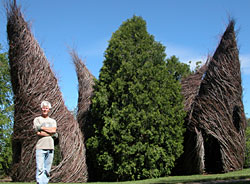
(137, 111)
(198, 65)
(247, 153)
(74, 112)
(6, 115)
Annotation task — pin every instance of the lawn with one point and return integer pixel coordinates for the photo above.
(239, 177)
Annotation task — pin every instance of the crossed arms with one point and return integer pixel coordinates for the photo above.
(46, 131)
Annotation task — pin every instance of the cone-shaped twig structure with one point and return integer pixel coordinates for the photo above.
(33, 81)
(85, 89)
(85, 93)
(215, 137)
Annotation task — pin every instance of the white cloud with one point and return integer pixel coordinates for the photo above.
(245, 64)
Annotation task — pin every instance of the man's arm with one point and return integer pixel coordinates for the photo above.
(42, 134)
(45, 131)
(49, 130)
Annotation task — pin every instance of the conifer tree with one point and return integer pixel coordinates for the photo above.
(137, 112)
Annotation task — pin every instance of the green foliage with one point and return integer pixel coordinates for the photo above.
(177, 69)
(6, 115)
(57, 155)
(137, 112)
(247, 153)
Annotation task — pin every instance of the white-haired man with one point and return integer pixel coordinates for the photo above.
(45, 128)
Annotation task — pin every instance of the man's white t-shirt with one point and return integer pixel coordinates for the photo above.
(44, 142)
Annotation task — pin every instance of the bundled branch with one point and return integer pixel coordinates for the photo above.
(214, 141)
(33, 81)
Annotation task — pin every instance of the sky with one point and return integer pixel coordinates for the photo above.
(189, 29)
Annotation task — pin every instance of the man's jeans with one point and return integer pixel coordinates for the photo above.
(44, 159)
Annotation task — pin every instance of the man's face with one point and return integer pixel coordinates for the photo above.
(45, 110)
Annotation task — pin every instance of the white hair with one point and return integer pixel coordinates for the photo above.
(46, 104)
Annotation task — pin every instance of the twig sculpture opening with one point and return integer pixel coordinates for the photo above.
(214, 141)
(33, 81)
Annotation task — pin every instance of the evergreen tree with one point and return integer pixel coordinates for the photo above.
(137, 112)
(6, 115)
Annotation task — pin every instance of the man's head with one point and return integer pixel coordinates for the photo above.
(45, 106)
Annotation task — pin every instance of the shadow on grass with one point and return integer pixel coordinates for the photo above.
(233, 180)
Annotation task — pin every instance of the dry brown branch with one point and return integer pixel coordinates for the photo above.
(216, 119)
(33, 81)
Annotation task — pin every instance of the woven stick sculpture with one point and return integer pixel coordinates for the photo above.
(85, 93)
(215, 137)
(33, 81)
(85, 90)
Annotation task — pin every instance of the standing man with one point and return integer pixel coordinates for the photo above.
(45, 127)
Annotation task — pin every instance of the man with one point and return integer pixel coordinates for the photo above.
(45, 128)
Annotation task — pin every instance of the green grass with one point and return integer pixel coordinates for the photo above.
(236, 175)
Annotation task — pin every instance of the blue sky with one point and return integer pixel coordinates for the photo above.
(190, 29)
